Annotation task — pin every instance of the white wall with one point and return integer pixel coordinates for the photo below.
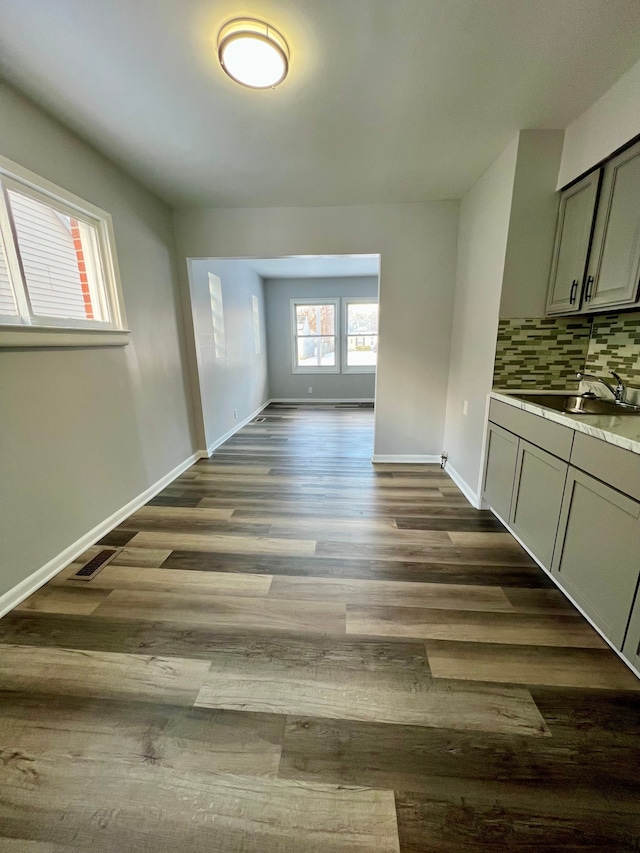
(532, 224)
(238, 381)
(605, 126)
(482, 245)
(417, 244)
(283, 382)
(83, 432)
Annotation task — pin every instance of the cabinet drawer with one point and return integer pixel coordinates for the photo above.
(552, 437)
(616, 466)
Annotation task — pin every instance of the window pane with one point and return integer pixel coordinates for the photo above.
(362, 350)
(61, 260)
(316, 352)
(7, 301)
(362, 318)
(315, 319)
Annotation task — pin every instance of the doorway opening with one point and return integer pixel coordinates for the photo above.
(296, 330)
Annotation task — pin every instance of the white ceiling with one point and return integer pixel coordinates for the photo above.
(315, 266)
(387, 100)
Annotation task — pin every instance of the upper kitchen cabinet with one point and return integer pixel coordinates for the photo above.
(614, 265)
(603, 276)
(571, 248)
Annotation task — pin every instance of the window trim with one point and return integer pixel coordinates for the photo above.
(356, 300)
(30, 330)
(323, 300)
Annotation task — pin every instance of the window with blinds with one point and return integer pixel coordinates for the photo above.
(7, 299)
(57, 261)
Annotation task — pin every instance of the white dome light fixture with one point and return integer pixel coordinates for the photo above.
(252, 53)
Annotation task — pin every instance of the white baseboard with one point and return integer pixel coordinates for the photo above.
(322, 400)
(29, 585)
(464, 487)
(565, 593)
(209, 451)
(405, 459)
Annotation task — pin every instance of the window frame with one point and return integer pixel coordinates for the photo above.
(32, 330)
(356, 300)
(319, 368)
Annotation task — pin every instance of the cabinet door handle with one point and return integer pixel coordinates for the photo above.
(572, 293)
(587, 293)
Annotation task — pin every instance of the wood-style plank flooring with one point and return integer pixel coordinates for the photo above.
(297, 651)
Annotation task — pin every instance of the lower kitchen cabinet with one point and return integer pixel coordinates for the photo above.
(537, 499)
(499, 470)
(631, 648)
(597, 558)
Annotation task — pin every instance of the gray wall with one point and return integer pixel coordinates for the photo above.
(507, 228)
(239, 380)
(84, 431)
(283, 383)
(417, 244)
(482, 246)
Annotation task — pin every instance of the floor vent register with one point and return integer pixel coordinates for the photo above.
(96, 564)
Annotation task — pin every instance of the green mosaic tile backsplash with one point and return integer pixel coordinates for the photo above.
(615, 345)
(547, 353)
(541, 353)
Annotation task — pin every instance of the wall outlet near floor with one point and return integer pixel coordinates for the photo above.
(465, 407)
(235, 414)
(311, 389)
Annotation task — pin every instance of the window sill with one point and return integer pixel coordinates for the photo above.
(308, 371)
(58, 336)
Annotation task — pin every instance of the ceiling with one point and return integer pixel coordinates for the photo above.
(315, 266)
(386, 101)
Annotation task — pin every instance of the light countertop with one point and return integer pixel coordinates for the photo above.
(621, 430)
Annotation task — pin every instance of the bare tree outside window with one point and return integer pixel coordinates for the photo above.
(334, 335)
(315, 335)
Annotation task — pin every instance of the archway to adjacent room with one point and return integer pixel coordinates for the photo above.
(294, 330)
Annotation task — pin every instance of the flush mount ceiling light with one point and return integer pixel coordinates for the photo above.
(252, 53)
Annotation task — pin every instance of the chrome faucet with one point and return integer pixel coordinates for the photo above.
(619, 392)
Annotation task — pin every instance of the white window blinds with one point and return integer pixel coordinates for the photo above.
(57, 252)
(59, 281)
(7, 301)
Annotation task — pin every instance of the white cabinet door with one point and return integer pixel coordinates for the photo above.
(614, 265)
(537, 498)
(571, 248)
(597, 555)
(499, 469)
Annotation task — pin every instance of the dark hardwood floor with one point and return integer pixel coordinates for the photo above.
(297, 651)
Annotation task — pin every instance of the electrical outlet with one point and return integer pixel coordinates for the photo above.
(465, 407)
(235, 414)
(311, 389)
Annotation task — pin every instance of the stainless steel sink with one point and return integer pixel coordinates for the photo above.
(574, 405)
